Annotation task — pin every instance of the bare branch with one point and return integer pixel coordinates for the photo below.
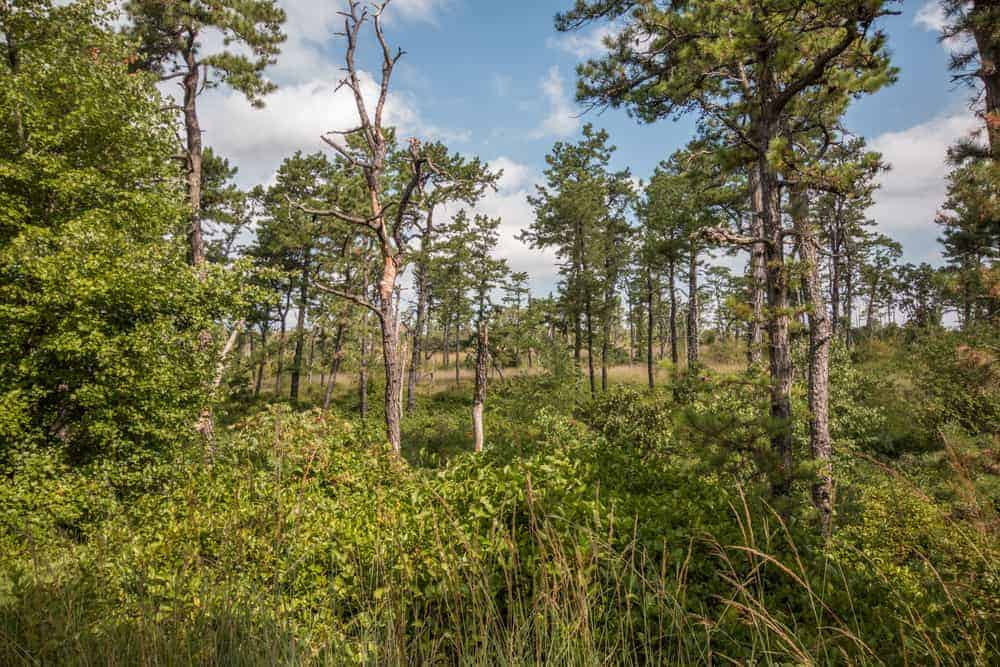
(354, 298)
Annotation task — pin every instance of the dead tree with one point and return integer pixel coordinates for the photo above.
(365, 148)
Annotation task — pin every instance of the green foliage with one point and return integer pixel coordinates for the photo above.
(306, 541)
(99, 354)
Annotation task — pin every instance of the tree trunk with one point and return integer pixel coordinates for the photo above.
(849, 296)
(590, 344)
(870, 314)
(835, 265)
(819, 366)
(649, 330)
(692, 318)
(989, 69)
(671, 279)
(363, 368)
(779, 355)
(479, 393)
(458, 354)
(191, 83)
(758, 271)
(263, 358)
(416, 358)
(300, 328)
(390, 323)
(447, 329)
(631, 331)
(338, 345)
(281, 344)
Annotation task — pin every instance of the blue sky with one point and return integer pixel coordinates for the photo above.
(494, 79)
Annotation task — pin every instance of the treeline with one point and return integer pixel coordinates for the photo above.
(139, 280)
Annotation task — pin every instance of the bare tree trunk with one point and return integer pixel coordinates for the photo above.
(310, 362)
(191, 83)
(835, 264)
(631, 330)
(447, 329)
(692, 318)
(458, 353)
(849, 297)
(418, 327)
(416, 357)
(870, 314)
(479, 393)
(819, 366)
(577, 336)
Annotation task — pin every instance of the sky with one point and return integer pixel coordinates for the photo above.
(495, 79)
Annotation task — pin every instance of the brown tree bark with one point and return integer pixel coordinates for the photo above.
(779, 355)
(650, 374)
(192, 129)
(479, 392)
(692, 318)
(820, 333)
(989, 67)
(758, 272)
(672, 287)
(300, 328)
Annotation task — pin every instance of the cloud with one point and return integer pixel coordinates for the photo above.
(914, 188)
(931, 17)
(510, 204)
(416, 10)
(305, 106)
(562, 119)
(584, 44)
(294, 117)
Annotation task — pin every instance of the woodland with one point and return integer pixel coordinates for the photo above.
(321, 421)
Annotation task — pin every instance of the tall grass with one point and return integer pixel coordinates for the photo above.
(595, 599)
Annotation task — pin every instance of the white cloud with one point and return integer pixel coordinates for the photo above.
(510, 203)
(562, 119)
(914, 188)
(294, 119)
(931, 16)
(304, 106)
(419, 10)
(586, 44)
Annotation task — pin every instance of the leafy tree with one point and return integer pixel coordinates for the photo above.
(171, 36)
(745, 66)
(474, 242)
(579, 213)
(977, 23)
(970, 224)
(100, 353)
(456, 179)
